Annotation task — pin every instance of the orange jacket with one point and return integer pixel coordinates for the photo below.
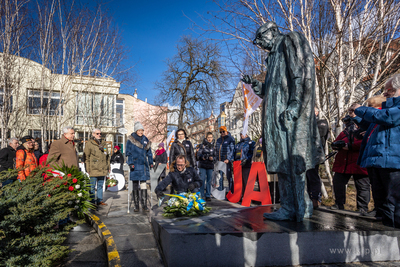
(30, 163)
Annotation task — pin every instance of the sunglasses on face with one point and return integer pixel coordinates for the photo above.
(222, 132)
(97, 133)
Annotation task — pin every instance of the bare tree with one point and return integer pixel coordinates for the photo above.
(353, 42)
(14, 37)
(195, 75)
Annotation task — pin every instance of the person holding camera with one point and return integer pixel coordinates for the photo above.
(345, 167)
(206, 157)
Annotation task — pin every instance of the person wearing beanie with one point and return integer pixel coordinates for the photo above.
(224, 147)
(182, 146)
(160, 158)
(140, 160)
(117, 157)
(25, 159)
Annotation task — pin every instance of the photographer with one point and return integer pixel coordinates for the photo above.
(206, 158)
(345, 167)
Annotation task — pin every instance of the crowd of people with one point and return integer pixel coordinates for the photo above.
(368, 150)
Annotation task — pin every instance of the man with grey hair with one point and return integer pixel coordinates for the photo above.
(97, 163)
(63, 151)
(7, 158)
(380, 152)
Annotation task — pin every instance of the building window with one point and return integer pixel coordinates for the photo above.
(119, 107)
(95, 109)
(2, 102)
(36, 105)
(51, 134)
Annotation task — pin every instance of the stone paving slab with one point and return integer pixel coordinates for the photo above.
(135, 241)
(142, 258)
(131, 232)
(87, 248)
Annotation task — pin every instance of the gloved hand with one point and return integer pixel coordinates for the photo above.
(160, 194)
(191, 187)
(243, 162)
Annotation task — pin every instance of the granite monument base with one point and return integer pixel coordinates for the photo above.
(233, 236)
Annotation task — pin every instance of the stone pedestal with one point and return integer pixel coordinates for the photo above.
(241, 237)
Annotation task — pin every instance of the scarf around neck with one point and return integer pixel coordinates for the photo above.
(160, 151)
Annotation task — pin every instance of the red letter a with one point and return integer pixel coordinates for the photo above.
(257, 168)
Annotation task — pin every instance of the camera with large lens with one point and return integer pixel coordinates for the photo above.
(338, 145)
(346, 119)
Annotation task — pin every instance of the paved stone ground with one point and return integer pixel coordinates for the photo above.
(88, 250)
(132, 232)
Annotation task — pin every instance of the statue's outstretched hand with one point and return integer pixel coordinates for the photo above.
(255, 84)
(247, 79)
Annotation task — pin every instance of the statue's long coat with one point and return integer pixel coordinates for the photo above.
(290, 84)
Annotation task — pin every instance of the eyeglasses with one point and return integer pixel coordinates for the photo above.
(222, 132)
(97, 133)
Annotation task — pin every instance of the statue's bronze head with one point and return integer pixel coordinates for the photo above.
(266, 34)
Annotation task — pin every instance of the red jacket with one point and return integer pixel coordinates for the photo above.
(346, 160)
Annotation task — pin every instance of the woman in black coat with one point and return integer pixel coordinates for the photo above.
(181, 146)
(160, 158)
(117, 157)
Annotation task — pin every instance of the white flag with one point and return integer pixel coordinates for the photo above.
(251, 103)
(170, 140)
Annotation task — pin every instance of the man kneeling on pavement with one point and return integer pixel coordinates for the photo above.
(182, 178)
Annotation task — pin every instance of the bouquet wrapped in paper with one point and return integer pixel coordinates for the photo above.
(111, 181)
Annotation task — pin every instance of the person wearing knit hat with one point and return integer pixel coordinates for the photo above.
(160, 158)
(138, 126)
(25, 159)
(117, 157)
(140, 160)
(224, 150)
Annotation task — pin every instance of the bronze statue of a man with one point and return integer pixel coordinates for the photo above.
(290, 135)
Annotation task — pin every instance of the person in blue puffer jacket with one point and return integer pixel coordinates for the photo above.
(244, 152)
(380, 151)
(140, 160)
(224, 148)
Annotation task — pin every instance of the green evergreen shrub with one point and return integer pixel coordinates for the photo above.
(29, 214)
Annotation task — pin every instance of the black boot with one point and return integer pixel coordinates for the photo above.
(136, 200)
(144, 199)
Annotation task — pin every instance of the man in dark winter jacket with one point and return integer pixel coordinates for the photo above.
(224, 149)
(244, 152)
(7, 158)
(380, 152)
(183, 178)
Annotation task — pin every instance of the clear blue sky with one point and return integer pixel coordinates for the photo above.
(151, 30)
